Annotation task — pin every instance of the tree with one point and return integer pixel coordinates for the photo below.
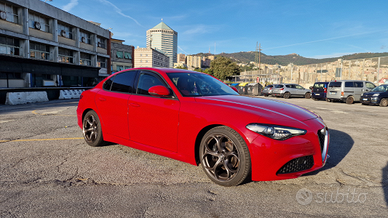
(223, 67)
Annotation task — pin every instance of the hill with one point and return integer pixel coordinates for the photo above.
(246, 57)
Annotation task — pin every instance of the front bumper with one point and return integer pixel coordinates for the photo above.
(370, 100)
(276, 160)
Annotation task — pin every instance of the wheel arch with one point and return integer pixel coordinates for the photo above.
(199, 139)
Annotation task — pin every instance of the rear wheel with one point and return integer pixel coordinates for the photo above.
(349, 100)
(286, 95)
(307, 95)
(91, 128)
(328, 100)
(225, 156)
(384, 102)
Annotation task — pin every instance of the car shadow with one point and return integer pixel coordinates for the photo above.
(384, 183)
(340, 145)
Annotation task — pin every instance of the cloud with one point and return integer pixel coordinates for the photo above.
(118, 10)
(70, 5)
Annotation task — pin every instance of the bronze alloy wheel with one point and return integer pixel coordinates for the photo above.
(224, 156)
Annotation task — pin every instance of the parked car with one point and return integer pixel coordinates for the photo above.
(267, 91)
(319, 90)
(378, 96)
(195, 118)
(348, 91)
(290, 90)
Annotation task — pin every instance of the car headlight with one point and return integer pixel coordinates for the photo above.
(375, 95)
(275, 132)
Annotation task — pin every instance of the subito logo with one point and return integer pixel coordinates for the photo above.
(304, 196)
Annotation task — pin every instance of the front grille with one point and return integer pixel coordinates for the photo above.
(296, 165)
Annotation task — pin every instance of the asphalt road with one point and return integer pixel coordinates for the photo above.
(47, 170)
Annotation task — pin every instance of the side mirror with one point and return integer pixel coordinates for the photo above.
(159, 91)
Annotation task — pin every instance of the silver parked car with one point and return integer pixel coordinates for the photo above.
(290, 90)
(348, 91)
(268, 90)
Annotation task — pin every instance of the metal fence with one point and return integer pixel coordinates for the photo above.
(371, 69)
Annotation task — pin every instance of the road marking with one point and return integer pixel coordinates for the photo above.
(52, 113)
(32, 140)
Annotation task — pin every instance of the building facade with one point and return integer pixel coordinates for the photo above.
(149, 57)
(164, 39)
(121, 55)
(41, 45)
(193, 62)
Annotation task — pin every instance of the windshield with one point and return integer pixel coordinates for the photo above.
(198, 84)
(382, 88)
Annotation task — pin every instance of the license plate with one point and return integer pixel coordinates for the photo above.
(317, 94)
(365, 99)
(333, 93)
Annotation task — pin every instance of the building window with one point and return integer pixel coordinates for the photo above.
(84, 37)
(119, 54)
(127, 55)
(101, 62)
(101, 42)
(65, 31)
(9, 46)
(39, 51)
(86, 59)
(38, 22)
(10, 75)
(65, 55)
(9, 13)
(119, 68)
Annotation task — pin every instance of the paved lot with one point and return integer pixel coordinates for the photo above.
(46, 170)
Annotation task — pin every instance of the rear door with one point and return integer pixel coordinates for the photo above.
(334, 90)
(112, 103)
(358, 90)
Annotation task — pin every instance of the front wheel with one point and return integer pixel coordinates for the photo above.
(225, 156)
(91, 128)
(384, 102)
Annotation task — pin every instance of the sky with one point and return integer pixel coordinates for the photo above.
(309, 28)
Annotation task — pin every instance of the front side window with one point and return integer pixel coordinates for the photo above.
(198, 84)
(370, 85)
(39, 51)
(146, 81)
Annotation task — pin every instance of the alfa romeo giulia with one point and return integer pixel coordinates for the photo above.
(195, 118)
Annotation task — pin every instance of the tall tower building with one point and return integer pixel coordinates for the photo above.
(165, 40)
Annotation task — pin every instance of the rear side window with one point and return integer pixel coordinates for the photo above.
(335, 84)
(279, 86)
(108, 84)
(123, 82)
(359, 84)
(349, 84)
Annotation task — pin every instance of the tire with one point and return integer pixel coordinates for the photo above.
(384, 102)
(349, 100)
(91, 129)
(307, 95)
(287, 95)
(329, 100)
(224, 156)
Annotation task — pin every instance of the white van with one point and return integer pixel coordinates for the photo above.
(348, 91)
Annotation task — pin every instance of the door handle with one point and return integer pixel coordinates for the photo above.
(134, 104)
(101, 99)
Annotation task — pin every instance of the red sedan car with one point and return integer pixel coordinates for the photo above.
(195, 118)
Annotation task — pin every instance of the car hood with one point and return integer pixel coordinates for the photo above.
(265, 108)
(371, 93)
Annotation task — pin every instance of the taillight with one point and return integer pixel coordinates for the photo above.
(281, 89)
(342, 93)
(325, 90)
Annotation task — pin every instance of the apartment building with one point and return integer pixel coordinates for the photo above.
(41, 45)
(121, 55)
(149, 57)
